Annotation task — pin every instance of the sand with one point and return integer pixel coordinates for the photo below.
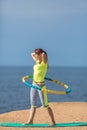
(63, 112)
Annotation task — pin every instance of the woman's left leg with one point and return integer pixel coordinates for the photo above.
(44, 101)
(50, 112)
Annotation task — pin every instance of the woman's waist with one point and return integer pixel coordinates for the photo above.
(38, 79)
(42, 83)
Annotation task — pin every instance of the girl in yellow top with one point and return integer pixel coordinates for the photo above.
(40, 69)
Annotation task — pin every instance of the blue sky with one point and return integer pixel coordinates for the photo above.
(57, 26)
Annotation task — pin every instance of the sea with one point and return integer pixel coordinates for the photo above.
(15, 95)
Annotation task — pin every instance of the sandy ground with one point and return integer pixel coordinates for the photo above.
(63, 112)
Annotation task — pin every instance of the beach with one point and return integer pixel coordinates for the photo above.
(64, 112)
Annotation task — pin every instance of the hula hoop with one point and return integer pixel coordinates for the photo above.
(68, 88)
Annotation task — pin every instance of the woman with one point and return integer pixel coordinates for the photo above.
(40, 69)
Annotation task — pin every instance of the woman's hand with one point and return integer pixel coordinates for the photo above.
(44, 57)
(34, 56)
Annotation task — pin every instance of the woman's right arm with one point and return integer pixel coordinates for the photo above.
(34, 56)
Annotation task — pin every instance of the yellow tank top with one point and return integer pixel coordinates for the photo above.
(40, 71)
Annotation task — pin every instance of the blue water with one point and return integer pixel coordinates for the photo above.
(14, 95)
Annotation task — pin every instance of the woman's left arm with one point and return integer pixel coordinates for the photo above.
(44, 58)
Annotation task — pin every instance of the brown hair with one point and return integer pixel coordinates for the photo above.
(40, 50)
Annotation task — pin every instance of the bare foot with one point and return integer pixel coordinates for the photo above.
(52, 124)
(29, 122)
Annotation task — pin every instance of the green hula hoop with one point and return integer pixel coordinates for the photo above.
(68, 88)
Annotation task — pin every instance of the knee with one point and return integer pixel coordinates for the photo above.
(46, 106)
